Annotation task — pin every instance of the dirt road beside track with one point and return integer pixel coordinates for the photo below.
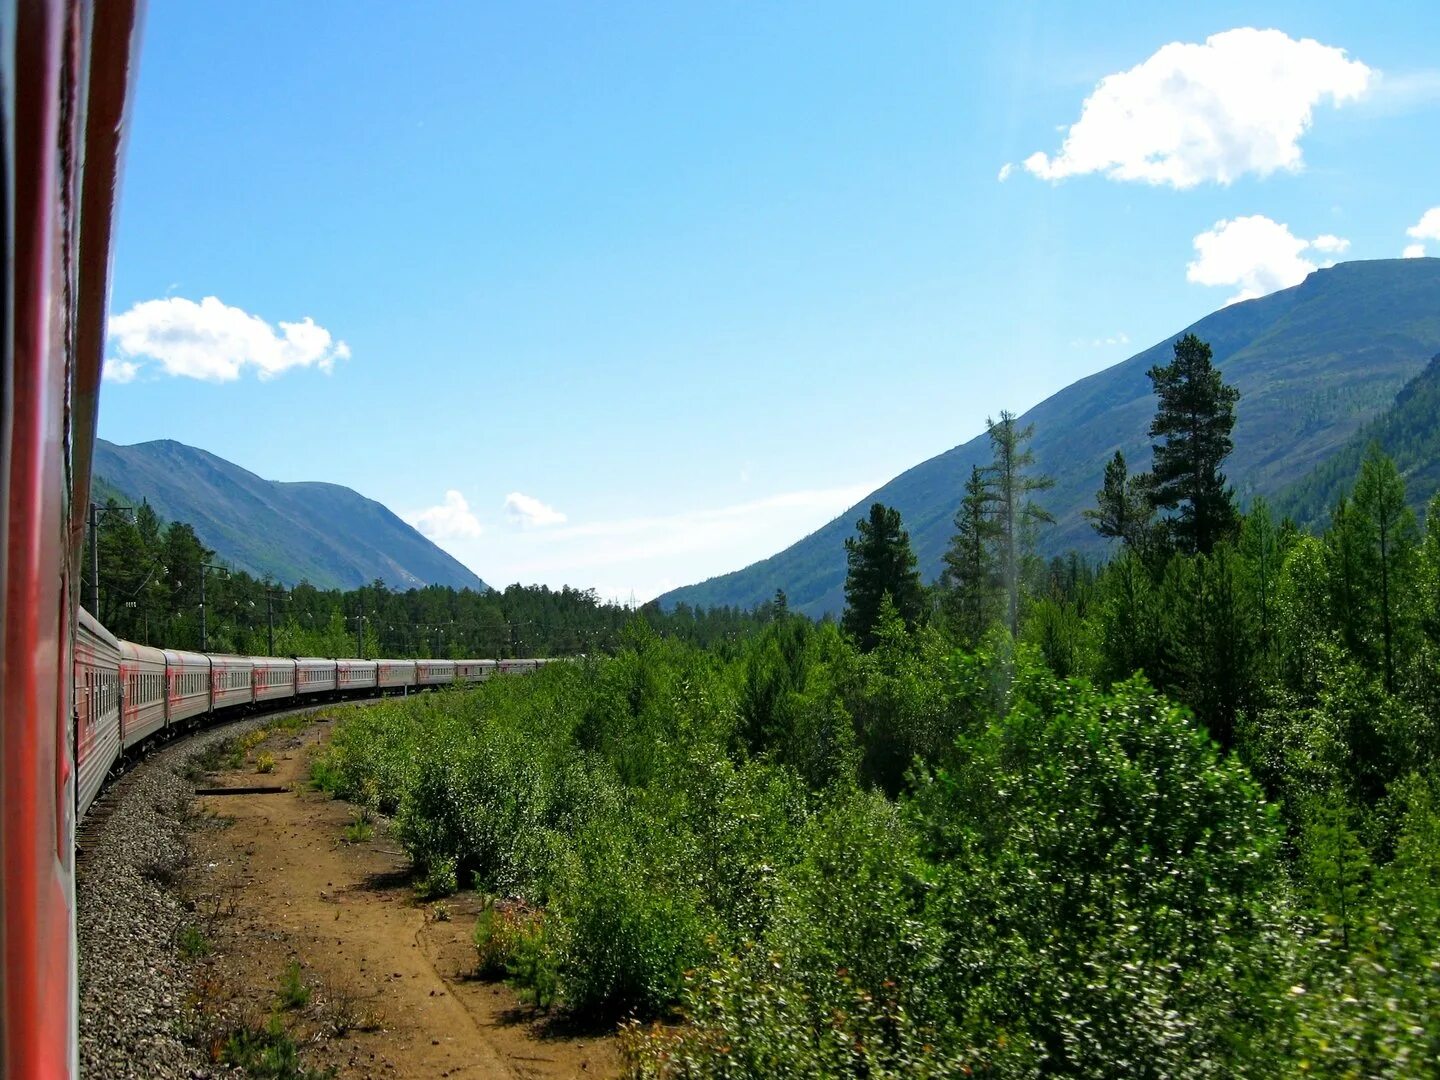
(276, 883)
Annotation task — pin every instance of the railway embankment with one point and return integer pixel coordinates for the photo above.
(260, 929)
(135, 848)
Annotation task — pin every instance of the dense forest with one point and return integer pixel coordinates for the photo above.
(1176, 815)
(150, 587)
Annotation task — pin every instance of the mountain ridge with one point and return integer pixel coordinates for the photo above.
(1313, 362)
(327, 534)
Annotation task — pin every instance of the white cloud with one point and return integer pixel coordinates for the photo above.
(1256, 254)
(1428, 227)
(530, 513)
(1005, 171)
(119, 371)
(1237, 104)
(451, 520)
(1413, 251)
(216, 342)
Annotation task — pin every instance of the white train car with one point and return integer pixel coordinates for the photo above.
(434, 672)
(314, 675)
(351, 675)
(272, 678)
(473, 671)
(517, 667)
(97, 707)
(395, 674)
(231, 681)
(142, 679)
(188, 692)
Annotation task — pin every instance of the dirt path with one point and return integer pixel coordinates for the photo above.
(282, 885)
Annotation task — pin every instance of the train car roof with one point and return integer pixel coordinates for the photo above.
(91, 625)
(142, 652)
(185, 657)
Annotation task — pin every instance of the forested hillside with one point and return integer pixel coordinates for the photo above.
(325, 534)
(1409, 432)
(1312, 363)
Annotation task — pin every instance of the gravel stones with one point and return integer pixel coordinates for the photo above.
(134, 984)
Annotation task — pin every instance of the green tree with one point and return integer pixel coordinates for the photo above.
(880, 563)
(1193, 422)
(1016, 515)
(1209, 639)
(970, 586)
(1388, 531)
(1261, 556)
(1122, 505)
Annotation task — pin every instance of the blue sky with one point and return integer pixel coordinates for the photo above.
(626, 295)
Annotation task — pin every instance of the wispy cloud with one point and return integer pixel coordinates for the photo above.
(214, 342)
(1121, 338)
(529, 512)
(1237, 103)
(651, 553)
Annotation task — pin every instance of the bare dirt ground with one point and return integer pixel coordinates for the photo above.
(277, 884)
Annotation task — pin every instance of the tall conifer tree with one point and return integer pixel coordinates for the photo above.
(1017, 516)
(1122, 505)
(1391, 539)
(1193, 423)
(880, 563)
(970, 582)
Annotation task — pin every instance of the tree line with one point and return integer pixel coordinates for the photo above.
(151, 575)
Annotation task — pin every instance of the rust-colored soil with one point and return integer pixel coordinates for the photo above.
(279, 884)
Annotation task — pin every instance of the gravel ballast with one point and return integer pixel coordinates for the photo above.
(133, 981)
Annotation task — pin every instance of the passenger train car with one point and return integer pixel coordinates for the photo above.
(126, 695)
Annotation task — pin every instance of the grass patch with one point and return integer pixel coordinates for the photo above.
(294, 991)
(192, 943)
(361, 827)
(265, 763)
(269, 1052)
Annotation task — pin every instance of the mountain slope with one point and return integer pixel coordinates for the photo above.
(1313, 364)
(323, 533)
(1409, 431)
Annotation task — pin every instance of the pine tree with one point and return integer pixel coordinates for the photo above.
(1193, 423)
(1016, 515)
(970, 583)
(1122, 509)
(1391, 538)
(1262, 554)
(881, 563)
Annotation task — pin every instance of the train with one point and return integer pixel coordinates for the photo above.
(128, 696)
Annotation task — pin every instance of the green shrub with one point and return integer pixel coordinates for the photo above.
(294, 992)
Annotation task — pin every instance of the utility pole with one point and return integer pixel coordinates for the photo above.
(204, 630)
(270, 597)
(95, 555)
